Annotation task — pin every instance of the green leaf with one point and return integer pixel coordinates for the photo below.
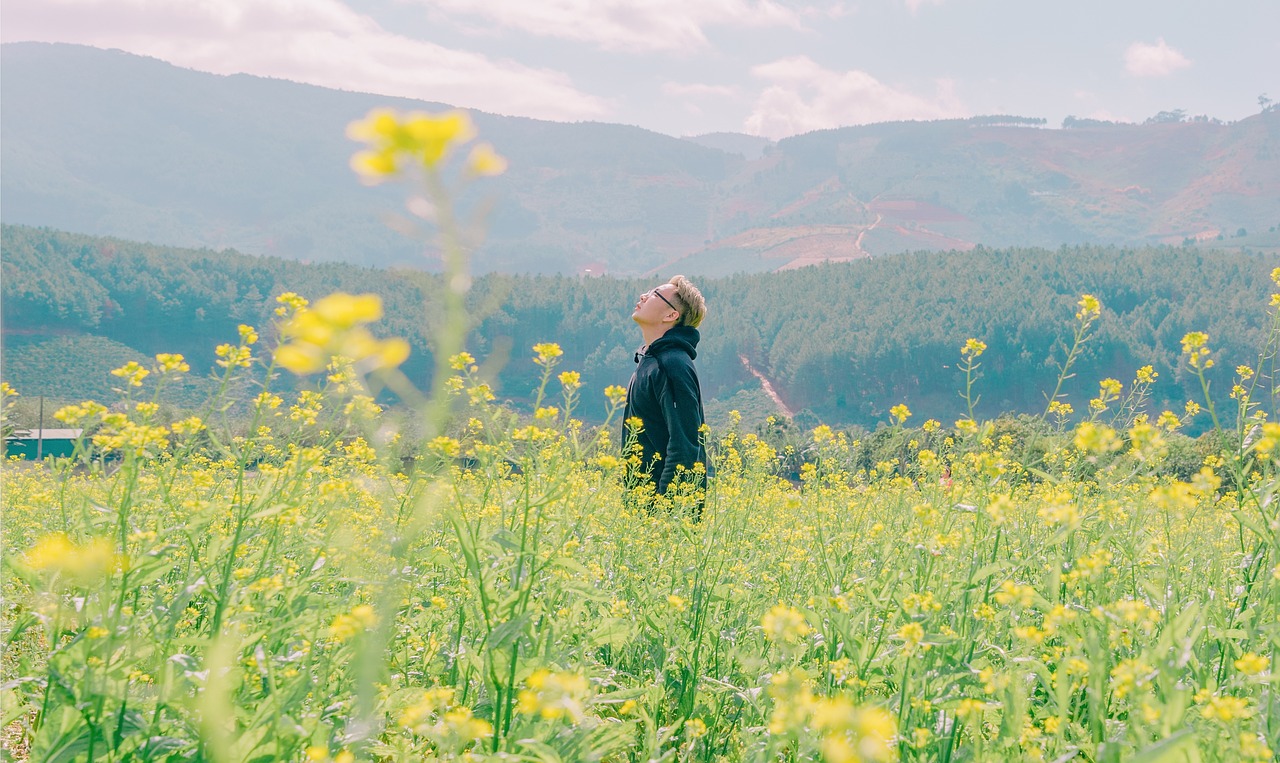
(1179, 748)
(613, 631)
(61, 739)
(504, 635)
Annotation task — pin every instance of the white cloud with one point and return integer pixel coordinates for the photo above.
(322, 42)
(1159, 60)
(697, 90)
(802, 96)
(647, 25)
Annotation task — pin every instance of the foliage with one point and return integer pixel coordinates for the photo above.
(867, 335)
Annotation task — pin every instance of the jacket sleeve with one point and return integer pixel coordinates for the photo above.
(679, 399)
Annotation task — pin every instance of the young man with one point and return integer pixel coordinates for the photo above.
(663, 416)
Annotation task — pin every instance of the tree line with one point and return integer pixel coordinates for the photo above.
(842, 342)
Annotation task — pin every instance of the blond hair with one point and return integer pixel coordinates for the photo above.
(695, 307)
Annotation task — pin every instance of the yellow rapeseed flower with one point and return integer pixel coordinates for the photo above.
(132, 372)
(546, 353)
(396, 141)
(334, 327)
(171, 363)
(785, 625)
(484, 161)
(1252, 664)
(554, 695)
(1226, 709)
(1090, 307)
(81, 563)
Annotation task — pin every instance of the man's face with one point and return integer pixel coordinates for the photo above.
(652, 310)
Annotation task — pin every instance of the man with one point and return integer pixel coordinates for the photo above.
(662, 430)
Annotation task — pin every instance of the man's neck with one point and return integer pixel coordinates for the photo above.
(654, 333)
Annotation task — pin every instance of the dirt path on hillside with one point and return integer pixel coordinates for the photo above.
(767, 386)
(863, 232)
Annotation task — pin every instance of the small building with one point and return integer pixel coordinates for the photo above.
(41, 443)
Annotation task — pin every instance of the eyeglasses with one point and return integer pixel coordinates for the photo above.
(658, 294)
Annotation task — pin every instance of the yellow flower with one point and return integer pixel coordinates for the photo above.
(1130, 674)
(971, 709)
(792, 701)
(570, 380)
(290, 303)
(678, 603)
(445, 447)
(56, 554)
(546, 353)
(911, 634)
(1011, 592)
(433, 135)
(484, 161)
(554, 695)
(1226, 709)
(417, 137)
(1096, 438)
(334, 327)
(132, 372)
(851, 734)
(784, 624)
(1252, 664)
(1252, 746)
(1060, 409)
(615, 394)
(1090, 307)
(172, 363)
(900, 413)
(346, 626)
(973, 348)
(1193, 346)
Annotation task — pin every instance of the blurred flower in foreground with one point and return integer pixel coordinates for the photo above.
(81, 563)
(335, 326)
(417, 139)
(554, 695)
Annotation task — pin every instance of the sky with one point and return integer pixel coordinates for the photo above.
(687, 67)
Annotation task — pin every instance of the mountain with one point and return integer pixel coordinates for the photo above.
(109, 143)
(746, 146)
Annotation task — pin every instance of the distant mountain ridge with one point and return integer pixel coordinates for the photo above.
(108, 143)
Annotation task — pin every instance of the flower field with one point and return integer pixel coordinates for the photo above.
(291, 594)
(271, 578)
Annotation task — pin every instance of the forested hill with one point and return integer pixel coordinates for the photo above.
(843, 341)
(104, 142)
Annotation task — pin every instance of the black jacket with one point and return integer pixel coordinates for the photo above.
(664, 394)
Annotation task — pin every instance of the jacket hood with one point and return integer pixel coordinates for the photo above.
(682, 338)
